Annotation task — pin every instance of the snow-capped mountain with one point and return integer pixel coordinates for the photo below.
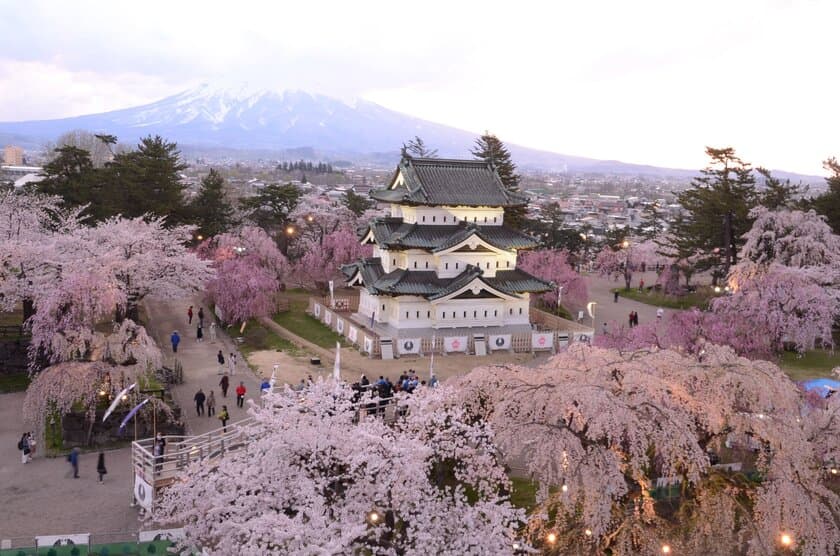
(259, 119)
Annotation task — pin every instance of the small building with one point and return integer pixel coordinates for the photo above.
(443, 258)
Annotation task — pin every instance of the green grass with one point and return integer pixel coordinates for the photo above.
(812, 364)
(259, 338)
(524, 494)
(15, 382)
(296, 321)
(700, 298)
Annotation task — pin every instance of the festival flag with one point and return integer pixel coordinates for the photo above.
(132, 413)
(117, 401)
(337, 366)
(372, 315)
(332, 294)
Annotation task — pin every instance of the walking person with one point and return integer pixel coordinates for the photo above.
(232, 363)
(189, 315)
(73, 458)
(199, 334)
(660, 313)
(635, 318)
(240, 394)
(199, 402)
(175, 339)
(615, 296)
(213, 332)
(201, 316)
(221, 359)
(25, 447)
(630, 319)
(224, 384)
(211, 404)
(223, 417)
(641, 285)
(100, 466)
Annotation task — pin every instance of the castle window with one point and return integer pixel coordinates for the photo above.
(446, 265)
(406, 314)
(510, 310)
(495, 312)
(415, 264)
(434, 218)
(383, 307)
(456, 266)
(465, 314)
(475, 314)
(494, 220)
(485, 220)
(427, 264)
(487, 264)
(485, 314)
(444, 219)
(393, 262)
(507, 263)
(418, 314)
(475, 218)
(520, 310)
(428, 314)
(424, 218)
(497, 264)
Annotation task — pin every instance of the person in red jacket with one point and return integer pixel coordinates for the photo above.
(240, 394)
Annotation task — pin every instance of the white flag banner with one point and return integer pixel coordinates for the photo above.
(353, 334)
(455, 344)
(408, 345)
(337, 366)
(142, 492)
(339, 325)
(318, 310)
(327, 317)
(368, 344)
(432, 359)
(332, 294)
(117, 401)
(542, 340)
(499, 341)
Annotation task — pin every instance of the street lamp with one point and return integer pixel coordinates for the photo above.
(551, 538)
(559, 297)
(786, 540)
(666, 549)
(199, 237)
(590, 307)
(290, 230)
(239, 249)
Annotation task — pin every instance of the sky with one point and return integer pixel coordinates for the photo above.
(644, 82)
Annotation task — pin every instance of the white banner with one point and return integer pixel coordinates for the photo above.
(143, 492)
(368, 344)
(499, 341)
(542, 340)
(353, 334)
(218, 311)
(339, 325)
(327, 317)
(454, 344)
(408, 345)
(161, 534)
(78, 539)
(317, 310)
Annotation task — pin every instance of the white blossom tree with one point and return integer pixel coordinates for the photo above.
(313, 480)
(604, 431)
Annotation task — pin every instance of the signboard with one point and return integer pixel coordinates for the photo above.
(500, 341)
(339, 325)
(368, 344)
(563, 339)
(353, 334)
(161, 534)
(327, 317)
(143, 492)
(318, 310)
(408, 345)
(542, 340)
(452, 344)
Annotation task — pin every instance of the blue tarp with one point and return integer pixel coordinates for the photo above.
(824, 386)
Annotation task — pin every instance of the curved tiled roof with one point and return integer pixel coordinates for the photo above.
(393, 233)
(440, 181)
(426, 283)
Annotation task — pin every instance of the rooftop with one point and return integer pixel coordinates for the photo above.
(447, 182)
(392, 233)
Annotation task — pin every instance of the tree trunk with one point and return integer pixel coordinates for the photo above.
(28, 309)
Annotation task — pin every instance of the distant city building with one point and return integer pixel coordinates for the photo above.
(13, 155)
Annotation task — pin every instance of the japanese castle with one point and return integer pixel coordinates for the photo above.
(444, 258)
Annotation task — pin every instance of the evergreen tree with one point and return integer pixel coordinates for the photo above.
(356, 203)
(653, 221)
(777, 193)
(418, 149)
(210, 210)
(489, 148)
(271, 207)
(147, 180)
(71, 176)
(828, 204)
(716, 211)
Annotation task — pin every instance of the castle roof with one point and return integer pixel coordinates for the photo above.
(440, 181)
(394, 234)
(426, 283)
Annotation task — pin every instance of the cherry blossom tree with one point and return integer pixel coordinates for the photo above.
(553, 265)
(629, 257)
(250, 268)
(605, 432)
(321, 263)
(315, 481)
(317, 216)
